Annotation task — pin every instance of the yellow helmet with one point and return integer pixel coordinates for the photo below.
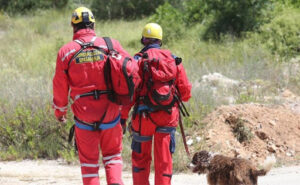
(82, 14)
(152, 30)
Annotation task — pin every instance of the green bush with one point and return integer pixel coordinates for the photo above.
(282, 34)
(235, 17)
(292, 3)
(171, 21)
(22, 6)
(124, 9)
(196, 11)
(29, 132)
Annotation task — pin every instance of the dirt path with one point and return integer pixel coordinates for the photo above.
(54, 173)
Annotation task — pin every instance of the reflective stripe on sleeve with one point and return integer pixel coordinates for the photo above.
(61, 109)
(93, 39)
(110, 157)
(90, 175)
(102, 46)
(113, 162)
(89, 165)
(67, 54)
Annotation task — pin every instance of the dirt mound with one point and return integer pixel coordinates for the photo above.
(254, 131)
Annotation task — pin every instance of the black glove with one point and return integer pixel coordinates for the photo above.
(123, 124)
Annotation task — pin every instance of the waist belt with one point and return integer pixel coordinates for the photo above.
(139, 138)
(96, 126)
(166, 130)
(142, 108)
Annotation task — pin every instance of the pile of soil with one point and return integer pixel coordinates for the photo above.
(266, 129)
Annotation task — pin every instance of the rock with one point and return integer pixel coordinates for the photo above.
(261, 135)
(281, 150)
(198, 139)
(272, 122)
(218, 80)
(289, 154)
(189, 142)
(287, 94)
(271, 148)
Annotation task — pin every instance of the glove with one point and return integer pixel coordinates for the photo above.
(123, 124)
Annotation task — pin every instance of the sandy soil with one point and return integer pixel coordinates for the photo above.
(275, 130)
(56, 173)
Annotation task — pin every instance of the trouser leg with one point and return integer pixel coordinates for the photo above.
(162, 159)
(141, 164)
(111, 146)
(88, 152)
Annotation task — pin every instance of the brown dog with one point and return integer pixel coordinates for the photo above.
(222, 170)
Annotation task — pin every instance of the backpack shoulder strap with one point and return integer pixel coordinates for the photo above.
(108, 43)
(83, 45)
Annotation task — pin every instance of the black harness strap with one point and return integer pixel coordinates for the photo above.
(95, 93)
(85, 45)
(109, 44)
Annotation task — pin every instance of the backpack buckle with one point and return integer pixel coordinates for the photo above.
(96, 94)
(178, 60)
(145, 55)
(96, 126)
(88, 44)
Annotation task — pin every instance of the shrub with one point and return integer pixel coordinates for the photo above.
(196, 11)
(282, 35)
(235, 17)
(292, 3)
(126, 9)
(22, 6)
(171, 21)
(27, 132)
(239, 129)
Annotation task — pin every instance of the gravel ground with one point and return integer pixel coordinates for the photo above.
(56, 173)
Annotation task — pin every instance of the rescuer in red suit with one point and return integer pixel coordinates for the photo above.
(82, 75)
(153, 125)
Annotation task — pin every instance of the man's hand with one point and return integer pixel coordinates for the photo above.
(62, 119)
(123, 124)
(60, 116)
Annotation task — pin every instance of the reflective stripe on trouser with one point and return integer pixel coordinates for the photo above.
(162, 158)
(110, 142)
(111, 163)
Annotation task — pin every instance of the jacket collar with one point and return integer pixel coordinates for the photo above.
(83, 33)
(149, 47)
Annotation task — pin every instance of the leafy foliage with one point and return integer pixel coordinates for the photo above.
(196, 11)
(240, 130)
(29, 133)
(22, 6)
(282, 34)
(220, 16)
(235, 17)
(124, 9)
(171, 21)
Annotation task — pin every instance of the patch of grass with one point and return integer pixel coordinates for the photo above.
(245, 98)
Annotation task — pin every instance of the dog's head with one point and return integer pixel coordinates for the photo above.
(200, 162)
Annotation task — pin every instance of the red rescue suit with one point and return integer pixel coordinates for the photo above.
(162, 127)
(80, 78)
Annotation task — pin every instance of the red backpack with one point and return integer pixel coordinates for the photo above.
(159, 72)
(120, 73)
